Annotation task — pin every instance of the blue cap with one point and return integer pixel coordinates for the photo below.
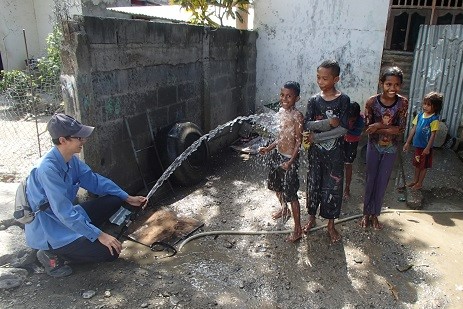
(62, 125)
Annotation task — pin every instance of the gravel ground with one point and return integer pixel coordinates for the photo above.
(415, 262)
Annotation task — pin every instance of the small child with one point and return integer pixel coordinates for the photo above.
(356, 123)
(283, 176)
(423, 133)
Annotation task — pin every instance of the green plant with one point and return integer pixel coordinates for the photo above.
(17, 84)
(23, 86)
(49, 67)
(201, 14)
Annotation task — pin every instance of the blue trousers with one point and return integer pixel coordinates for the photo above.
(83, 250)
(378, 171)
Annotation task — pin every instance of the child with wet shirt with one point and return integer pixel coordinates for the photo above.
(326, 119)
(283, 177)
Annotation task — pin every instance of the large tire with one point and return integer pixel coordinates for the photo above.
(178, 137)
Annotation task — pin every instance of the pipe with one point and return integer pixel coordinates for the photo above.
(313, 229)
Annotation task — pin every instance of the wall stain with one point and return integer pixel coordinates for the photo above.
(113, 106)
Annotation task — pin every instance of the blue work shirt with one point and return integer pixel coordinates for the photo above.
(57, 182)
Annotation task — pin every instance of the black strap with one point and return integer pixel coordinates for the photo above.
(157, 246)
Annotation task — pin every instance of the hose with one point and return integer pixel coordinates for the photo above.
(230, 232)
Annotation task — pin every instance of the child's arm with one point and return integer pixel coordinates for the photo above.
(427, 150)
(323, 136)
(318, 125)
(380, 128)
(411, 134)
(434, 127)
(265, 150)
(409, 139)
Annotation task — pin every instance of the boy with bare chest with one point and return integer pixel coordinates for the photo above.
(283, 176)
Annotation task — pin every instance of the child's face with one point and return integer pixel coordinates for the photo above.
(427, 107)
(288, 98)
(325, 79)
(391, 86)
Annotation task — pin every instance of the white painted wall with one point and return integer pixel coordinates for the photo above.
(36, 18)
(14, 17)
(295, 36)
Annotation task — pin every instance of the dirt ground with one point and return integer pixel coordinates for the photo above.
(415, 262)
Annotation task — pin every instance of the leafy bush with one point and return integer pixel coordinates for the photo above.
(23, 86)
(224, 9)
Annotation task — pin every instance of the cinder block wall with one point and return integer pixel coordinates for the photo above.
(116, 68)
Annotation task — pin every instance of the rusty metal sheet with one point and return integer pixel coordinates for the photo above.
(437, 66)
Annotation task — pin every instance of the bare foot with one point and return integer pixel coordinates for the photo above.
(365, 222)
(334, 235)
(411, 184)
(416, 187)
(310, 224)
(375, 223)
(294, 237)
(283, 212)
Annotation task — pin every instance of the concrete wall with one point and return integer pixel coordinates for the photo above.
(117, 68)
(296, 36)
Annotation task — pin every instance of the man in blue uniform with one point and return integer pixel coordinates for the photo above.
(64, 231)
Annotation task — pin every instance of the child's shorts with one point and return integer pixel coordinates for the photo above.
(280, 180)
(422, 161)
(350, 151)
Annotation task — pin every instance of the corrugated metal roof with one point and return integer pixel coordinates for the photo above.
(167, 12)
(172, 13)
(437, 66)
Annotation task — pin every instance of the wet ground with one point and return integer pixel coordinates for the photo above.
(415, 262)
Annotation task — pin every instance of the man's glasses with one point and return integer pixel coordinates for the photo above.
(80, 139)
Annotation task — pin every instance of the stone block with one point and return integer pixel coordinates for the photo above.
(12, 277)
(14, 250)
(167, 96)
(101, 30)
(188, 91)
(104, 83)
(177, 112)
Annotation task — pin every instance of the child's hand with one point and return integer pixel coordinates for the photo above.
(406, 147)
(307, 138)
(334, 122)
(372, 128)
(286, 165)
(426, 151)
(263, 150)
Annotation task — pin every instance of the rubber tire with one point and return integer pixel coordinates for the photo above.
(178, 138)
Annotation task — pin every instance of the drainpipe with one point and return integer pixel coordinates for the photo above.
(206, 106)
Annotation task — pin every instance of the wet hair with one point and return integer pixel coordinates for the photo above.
(354, 110)
(392, 71)
(436, 99)
(294, 86)
(332, 65)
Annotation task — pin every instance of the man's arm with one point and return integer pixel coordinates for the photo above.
(56, 189)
